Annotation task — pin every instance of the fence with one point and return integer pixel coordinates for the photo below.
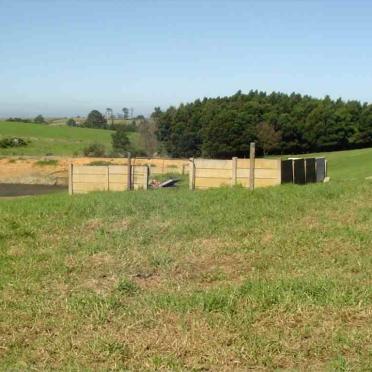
(164, 165)
(206, 173)
(302, 171)
(85, 178)
(53, 170)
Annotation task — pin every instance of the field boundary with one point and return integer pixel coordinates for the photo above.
(85, 178)
(53, 170)
(207, 173)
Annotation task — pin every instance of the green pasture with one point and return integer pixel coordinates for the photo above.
(55, 140)
(224, 279)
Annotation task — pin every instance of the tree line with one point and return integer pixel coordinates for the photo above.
(147, 143)
(38, 120)
(223, 127)
(97, 120)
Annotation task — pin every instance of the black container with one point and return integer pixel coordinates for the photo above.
(320, 169)
(299, 171)
(287, 171)
(310, 170)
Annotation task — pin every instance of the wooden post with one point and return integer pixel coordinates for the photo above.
(192, 174)
(129, 179)
(234, 169)
(70, 180)
(108, 177)
(279, 169)
(145, 177)
(252, 155)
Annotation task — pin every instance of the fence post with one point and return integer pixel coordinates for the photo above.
(145, 177)
(129, 179)
(279, 168)
(192, 174)
(252, 155)
(108, 177)
(234, 163)
(70, 180)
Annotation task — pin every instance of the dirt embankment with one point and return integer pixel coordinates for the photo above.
(54, 170)
(40, 171)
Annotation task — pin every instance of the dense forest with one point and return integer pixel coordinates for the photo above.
(279, 123)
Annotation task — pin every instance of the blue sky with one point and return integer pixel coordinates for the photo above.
(62, 57)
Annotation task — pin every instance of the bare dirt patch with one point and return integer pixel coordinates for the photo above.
(93, 224)
(102, 285)
(212, 262)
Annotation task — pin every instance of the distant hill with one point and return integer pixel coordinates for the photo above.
(55, 140)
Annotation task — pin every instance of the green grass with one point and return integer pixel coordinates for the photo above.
(348, 165)
(177, 280)
(357, 163)
(47, 162)
(56, 140)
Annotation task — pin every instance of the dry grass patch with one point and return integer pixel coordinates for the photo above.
(206, 269)
(149, 281)
(178, 341)
(103, 285)
(173, 280)
(310, 336)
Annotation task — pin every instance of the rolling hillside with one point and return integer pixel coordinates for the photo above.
(346, 165)
(56, 140)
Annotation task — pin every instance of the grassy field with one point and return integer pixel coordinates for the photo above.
(56, 140)
(177, 280)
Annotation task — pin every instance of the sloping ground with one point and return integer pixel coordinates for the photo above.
(54, 140)
(219, 279)
(350, 165)
(347, 165)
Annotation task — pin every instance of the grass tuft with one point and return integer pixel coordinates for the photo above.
(127, 287)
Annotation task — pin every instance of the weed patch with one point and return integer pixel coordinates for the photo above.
(46, 162)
